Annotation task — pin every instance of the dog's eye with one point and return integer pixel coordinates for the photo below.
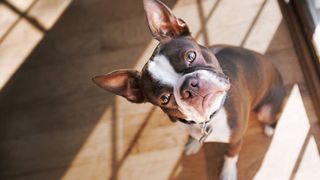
(190, 56)
(164, 99)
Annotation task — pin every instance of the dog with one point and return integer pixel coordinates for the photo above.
(209, 91)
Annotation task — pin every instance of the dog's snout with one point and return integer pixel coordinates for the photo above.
(189, 88)
(193, 82)
(194, 87)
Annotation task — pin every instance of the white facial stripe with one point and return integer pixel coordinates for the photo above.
(210, 77)
(161, 69)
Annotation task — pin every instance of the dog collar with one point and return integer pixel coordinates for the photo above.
(206, 128)
(186, 121)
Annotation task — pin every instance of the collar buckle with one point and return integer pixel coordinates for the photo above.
(206, 130)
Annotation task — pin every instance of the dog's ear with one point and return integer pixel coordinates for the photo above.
(162, 23)
(122, 82)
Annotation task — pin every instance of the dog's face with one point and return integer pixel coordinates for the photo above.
(182, 77)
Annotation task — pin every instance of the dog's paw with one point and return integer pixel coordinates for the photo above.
(192, 147)
(229, 169)
(268, 130)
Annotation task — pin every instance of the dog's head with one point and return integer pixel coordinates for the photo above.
(182, 77)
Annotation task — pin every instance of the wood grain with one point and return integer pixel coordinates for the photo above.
(56, 124)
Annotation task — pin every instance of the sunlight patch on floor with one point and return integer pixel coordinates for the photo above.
(288, 140)
(261, 35)
(310, 163)
(129, 117)
(16, 47)
(19, 36)
(22, 5)
(7, 18)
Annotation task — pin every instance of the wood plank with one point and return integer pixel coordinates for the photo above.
(56, 124)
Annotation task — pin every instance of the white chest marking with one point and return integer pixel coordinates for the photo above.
(221, 131)
(161, 69)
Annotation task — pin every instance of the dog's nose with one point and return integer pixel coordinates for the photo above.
(189, 88)
(193, 87)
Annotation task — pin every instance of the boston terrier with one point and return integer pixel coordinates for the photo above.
(209, 91)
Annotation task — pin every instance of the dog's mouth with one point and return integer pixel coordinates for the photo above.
(210, 105)
(212, 113)
(209, 98)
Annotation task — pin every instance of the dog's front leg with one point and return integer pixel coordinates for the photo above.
(193, 146)
(229, 169)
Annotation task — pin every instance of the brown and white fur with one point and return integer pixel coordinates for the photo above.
(194, 84)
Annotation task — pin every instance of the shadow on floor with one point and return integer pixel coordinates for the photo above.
(50, 106)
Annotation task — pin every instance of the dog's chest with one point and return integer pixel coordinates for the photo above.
(220, 129)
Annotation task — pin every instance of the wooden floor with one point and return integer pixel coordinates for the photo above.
(56, 124)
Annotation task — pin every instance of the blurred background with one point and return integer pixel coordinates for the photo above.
(56, 124)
